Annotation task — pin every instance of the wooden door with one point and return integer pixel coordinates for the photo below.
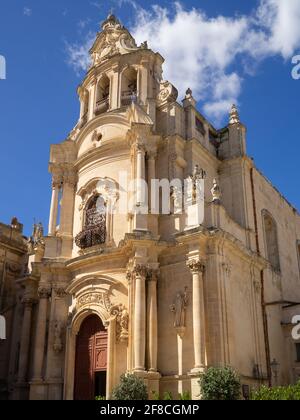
(91, 357)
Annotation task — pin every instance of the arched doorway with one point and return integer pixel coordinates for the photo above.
(91, 360)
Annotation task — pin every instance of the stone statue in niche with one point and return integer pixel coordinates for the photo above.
(179, 308)
(122, 317)
(124, 323)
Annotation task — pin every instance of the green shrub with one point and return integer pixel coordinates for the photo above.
(168, 396)
(185, 396)
(221, 384)
(289, 393)
(155, 396)
(130, 388)
(99, 398)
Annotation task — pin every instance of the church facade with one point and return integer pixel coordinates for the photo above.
(116, 288)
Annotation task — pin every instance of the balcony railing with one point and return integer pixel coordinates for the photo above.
(94, 232)
(102, 106)
(128, 97)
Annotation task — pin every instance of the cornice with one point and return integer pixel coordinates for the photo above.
(104, 154)
(111, 117)
(209, 236)
(195, 143)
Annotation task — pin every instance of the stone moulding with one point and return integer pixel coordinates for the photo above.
(119, 312)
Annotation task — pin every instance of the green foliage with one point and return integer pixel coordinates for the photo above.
(185, 396)
(289, 393)
(130, 388)
(155, 396)
(99, 398)
(221, 384)
(168, 396)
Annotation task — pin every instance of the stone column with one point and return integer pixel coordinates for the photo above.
(92, 100)
(111, 356)
(54, 207)
(152, 321)
(140, 318)
(39, 348)
(152, 218)
(198, 268)
(140, 174)
(114, 94)
(25, 340)
(130, 356)
(151, 172)
(68, 201)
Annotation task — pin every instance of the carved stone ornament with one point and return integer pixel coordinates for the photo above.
(44, 292)
(141, 270)
(114, 40)
(122, 318)
(168, 93)
(97, 138)
(97, 298)
(37, 237)
(216, 192)
(28, 301)
(196, 266)
(13, 269)
(234, 117)
(179, 308)
(195, 181)
(60, 292)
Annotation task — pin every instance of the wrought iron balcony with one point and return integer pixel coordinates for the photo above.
(94, 232)
(128, 97)
(102, 106)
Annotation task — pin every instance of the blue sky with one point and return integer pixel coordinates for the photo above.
(38, 100)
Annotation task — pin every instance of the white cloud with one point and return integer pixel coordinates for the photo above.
(83, 23)
(27, 11)
(282, 21)
(202, 52)
(78, 54)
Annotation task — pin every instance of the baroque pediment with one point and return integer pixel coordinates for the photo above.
(114, 40)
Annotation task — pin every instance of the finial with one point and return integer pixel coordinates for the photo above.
(14, 223)
(111, 21)
(189, 93)
(234, 117)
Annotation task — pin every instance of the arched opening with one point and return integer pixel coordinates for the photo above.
(94, 231)
(102, 96)
(129, 86)
(90, 360)
(271, 240)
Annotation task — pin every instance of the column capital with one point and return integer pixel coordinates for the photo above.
(60, 291)
(70, 179)
(196, 266)
(44, 292)
(28, 301)
(139, 147)
(141, 270)
(151, 154)
(56, 181)
(129, 275)
(153, 275)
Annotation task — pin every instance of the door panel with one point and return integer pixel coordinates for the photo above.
(91, 357)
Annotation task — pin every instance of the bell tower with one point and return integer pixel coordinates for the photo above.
(118, 107)
(120, 73)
